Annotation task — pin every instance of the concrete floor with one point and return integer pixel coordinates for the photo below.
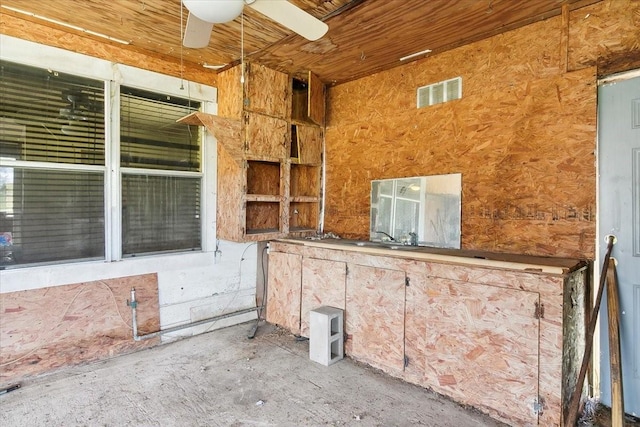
(224, 379)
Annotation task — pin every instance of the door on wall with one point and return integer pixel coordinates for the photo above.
(619, 214)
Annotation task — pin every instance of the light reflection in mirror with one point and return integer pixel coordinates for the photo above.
(423, 210)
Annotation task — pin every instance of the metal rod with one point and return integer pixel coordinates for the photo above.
(134, 322)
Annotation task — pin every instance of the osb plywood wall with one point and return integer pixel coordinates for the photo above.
(48, 328)
(523, 135)
(38, 33)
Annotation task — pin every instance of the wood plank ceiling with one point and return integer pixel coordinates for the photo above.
(365, 36)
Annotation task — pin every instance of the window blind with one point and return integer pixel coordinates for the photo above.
(49, 215)
(149, 135)
(47, 116)
(159, 212)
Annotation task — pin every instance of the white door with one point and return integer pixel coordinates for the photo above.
(619, 214)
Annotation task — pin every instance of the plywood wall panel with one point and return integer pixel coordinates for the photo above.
(49, 328)
(284, 290)
(523, 137)
(14, 25)
(323, 283)
(500, 61)
(230, 210)
(603, 34)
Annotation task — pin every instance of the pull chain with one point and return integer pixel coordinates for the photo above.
(242, 47)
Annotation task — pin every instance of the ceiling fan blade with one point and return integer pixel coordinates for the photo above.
(197, 32)
(292, 17)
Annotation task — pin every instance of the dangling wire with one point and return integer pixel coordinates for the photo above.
(242, 47)
(181, 39)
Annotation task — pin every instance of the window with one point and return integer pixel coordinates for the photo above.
(54, 180)
(52, 149)
(160, 162)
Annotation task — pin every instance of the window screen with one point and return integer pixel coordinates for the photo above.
(50, 213)
(160, 212)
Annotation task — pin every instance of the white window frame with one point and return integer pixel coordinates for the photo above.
(116, 75)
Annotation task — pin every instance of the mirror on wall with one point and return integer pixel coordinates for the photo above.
(422, 210)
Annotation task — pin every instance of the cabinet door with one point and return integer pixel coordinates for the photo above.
(283, 290)
(323, 283)
(476, 343)
(266, 136)
(309, 140)
(267, 91)
(374, 317)
(316, 99)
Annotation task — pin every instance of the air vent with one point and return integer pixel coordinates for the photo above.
(440, 92)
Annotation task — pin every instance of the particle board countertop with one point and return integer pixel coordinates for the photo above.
(520, 262)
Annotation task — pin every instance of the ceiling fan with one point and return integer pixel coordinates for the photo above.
(204, 13)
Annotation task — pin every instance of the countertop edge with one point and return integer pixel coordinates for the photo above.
(444, 258)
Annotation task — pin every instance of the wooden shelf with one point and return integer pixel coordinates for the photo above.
(269, 157)
(263, 177)
(303, 215)
(262, 217)
(262, 198)
(305, 199)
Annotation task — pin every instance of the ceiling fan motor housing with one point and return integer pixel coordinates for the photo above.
(215, 11)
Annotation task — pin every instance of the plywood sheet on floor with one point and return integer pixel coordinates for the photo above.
(49, 328)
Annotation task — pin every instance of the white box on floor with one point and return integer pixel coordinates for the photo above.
(326, 337)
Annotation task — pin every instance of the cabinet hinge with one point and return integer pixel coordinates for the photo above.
(406, 361)
(538, 405)
(538, 312)
(346, 270)
(246, 116)
(406, 281)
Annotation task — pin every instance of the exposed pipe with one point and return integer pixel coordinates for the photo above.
(134, 321)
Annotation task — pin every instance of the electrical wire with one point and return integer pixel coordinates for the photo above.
(236, 290)
(264, 285)
(181, 39)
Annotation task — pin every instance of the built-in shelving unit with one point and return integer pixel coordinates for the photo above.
(270, 141)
